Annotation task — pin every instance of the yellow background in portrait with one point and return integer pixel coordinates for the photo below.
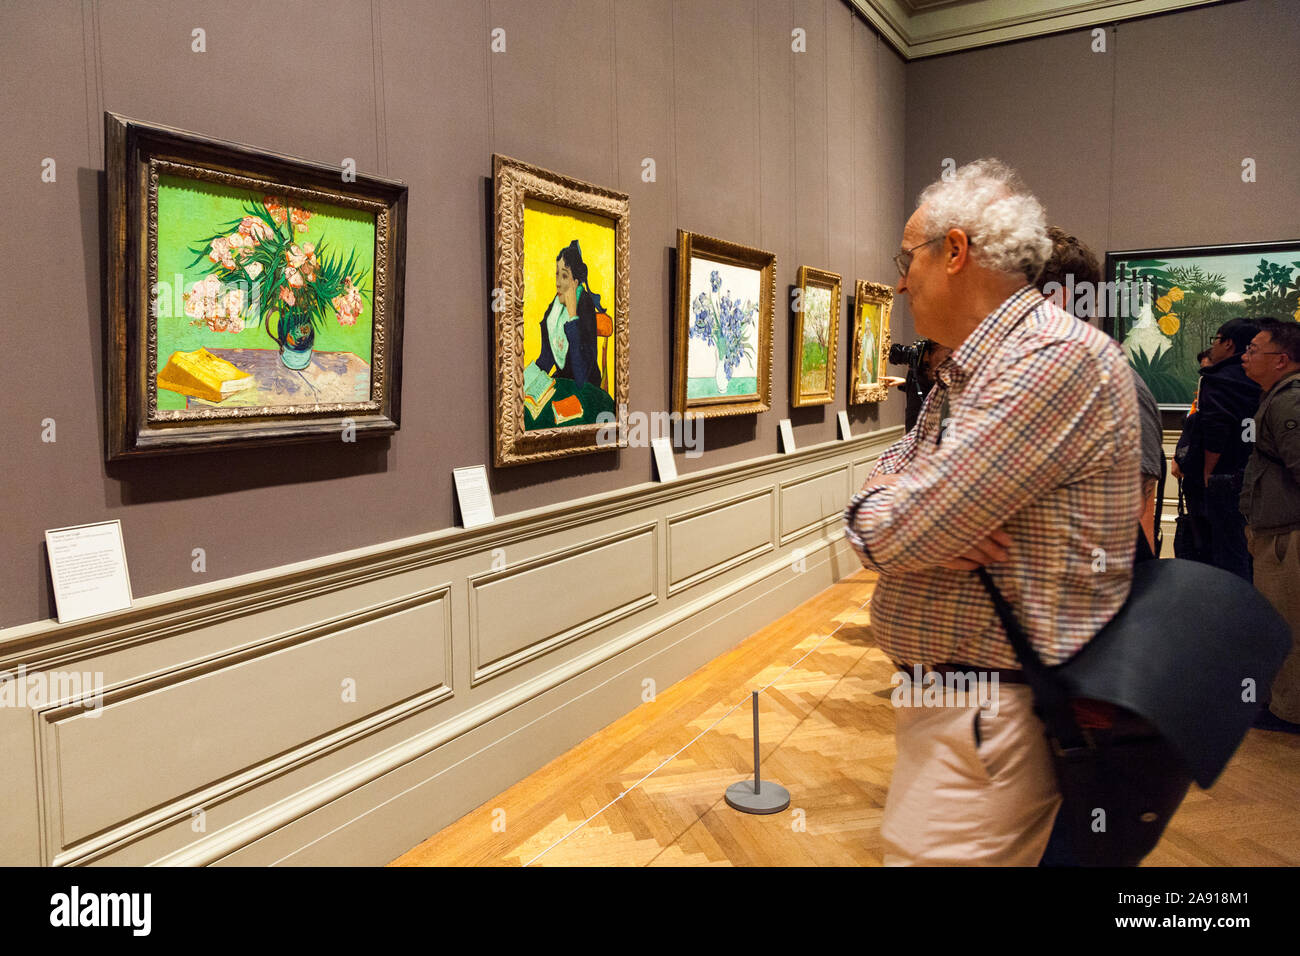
(870, 355)
(548, 229)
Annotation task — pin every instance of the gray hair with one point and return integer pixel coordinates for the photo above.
(988, 201)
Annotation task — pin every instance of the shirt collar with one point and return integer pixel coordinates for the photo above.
(1221, 364)
(993, 328)
(1282, 381)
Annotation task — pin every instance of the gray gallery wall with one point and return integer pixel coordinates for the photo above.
(1140, 146)
(799, 153)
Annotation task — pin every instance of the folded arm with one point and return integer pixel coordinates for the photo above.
(1045, 421)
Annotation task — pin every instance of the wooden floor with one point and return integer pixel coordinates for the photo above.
(648, 789)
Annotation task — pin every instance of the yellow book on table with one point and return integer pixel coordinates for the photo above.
(202, 375)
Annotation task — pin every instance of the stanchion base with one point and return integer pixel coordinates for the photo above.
(773, 799)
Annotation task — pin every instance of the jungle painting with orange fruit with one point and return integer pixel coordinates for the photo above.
(1166, 305)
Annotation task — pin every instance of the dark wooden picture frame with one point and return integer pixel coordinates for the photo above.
(137, 154)
(691, 246)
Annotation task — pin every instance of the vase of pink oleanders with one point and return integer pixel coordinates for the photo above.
(260, 273)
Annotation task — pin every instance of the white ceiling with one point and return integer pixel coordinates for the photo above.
(919, 28)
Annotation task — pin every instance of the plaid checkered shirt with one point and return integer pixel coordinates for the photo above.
(1033, 428)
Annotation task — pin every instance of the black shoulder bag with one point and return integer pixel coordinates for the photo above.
(1181, 661)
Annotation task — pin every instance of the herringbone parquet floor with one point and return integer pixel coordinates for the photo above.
(648, 789)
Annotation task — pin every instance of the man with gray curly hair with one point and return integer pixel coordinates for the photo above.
(1024, 460)
(987, 199)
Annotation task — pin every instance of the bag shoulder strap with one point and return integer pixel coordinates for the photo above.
(1050, 696)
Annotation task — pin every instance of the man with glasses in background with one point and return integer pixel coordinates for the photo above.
(1220, 445)
(1270, 500)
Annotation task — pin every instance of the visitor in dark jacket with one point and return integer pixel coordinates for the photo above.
(1188, 460)
(1226, 403)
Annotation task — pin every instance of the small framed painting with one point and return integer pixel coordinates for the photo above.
(816, 337)
(1165, 305)
(561, 302)
(722, 355)
(872, 303)
(254, 298)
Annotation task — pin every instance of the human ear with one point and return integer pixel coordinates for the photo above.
(956, 249)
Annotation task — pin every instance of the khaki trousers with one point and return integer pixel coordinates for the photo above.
(1277, 577)
(953, 802)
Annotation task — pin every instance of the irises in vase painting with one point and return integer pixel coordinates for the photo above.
(727, 323)
(722, 338)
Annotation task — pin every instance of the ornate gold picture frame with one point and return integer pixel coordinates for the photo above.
(561, 305)
(722, 344)
(253, 298)
(816, 353)
(872, 303)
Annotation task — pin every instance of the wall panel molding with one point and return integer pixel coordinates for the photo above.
(813, 501)
(585, 570)
(177, 737)
(115, 748)
(711, 540)
(176, 611)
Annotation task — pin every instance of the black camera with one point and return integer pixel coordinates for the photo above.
(918, 381)
(910, 355)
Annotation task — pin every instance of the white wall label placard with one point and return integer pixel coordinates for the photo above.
(664, 460)
(787, 436)
(474, 496)
(845, 432)
(88, 568)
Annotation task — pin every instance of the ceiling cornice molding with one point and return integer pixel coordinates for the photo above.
(966, 24)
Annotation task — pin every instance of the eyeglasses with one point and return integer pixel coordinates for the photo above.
(904, 259)
(1252, 349)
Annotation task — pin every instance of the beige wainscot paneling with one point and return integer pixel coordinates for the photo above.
(20, 805)
(158, 743)
(520, 613)
(710, 540)
(810, 502)
(225, 734)
(862, 468)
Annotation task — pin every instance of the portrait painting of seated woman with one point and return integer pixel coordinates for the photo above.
(568, 377)
(560, 304)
